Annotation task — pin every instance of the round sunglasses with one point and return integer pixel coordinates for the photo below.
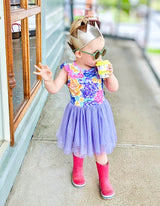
(95, 54)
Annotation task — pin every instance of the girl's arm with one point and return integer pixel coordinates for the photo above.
(52, 86)
(111, 82)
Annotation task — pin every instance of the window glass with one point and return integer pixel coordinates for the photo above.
(31, 2)
(15, 4)
(17, 65)
(32, 41)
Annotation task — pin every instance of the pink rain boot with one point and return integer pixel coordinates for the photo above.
(77, 173)
(107, 191)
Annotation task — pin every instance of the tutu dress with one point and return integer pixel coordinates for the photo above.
(87, 126)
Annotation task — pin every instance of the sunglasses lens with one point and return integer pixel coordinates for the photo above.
(97, 55)
(104, 52)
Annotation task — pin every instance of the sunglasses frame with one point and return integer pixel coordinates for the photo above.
(94, 54)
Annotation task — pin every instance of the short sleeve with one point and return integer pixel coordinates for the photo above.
(65, 66)
(62, 65)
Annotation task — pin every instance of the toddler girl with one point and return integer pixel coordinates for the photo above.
(87, 127)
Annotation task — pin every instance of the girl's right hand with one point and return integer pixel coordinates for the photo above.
(44, 72)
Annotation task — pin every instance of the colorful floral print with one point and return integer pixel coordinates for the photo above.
(75, 87)
(99, 97)
(85, 86)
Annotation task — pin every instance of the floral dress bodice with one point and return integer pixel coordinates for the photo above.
(85, 86)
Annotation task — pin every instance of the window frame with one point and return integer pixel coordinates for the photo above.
(11, 16)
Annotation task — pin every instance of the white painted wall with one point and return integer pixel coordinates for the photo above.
(4, 110)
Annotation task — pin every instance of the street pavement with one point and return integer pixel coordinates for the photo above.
(45, 176)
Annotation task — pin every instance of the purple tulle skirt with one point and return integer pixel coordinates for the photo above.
(87, 130)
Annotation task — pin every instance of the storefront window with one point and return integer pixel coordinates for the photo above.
(23, 51)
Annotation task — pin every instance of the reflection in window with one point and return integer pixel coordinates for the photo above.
(32, 41)
(31, 2)
(17, 65)
(15, 4)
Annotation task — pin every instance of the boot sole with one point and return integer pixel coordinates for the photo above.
(107, 197)
(78, 186)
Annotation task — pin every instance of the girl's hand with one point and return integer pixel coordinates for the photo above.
(111, 82)
(44, 72)
(110, 69)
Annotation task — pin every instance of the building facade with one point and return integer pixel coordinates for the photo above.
(31, 31)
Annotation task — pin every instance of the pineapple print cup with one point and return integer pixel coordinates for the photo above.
(103, 68)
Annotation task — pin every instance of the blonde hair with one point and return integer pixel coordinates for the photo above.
(78, 24)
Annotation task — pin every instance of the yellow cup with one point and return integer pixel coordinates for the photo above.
(103, 68)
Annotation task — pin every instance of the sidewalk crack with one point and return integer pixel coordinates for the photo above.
(139, 146)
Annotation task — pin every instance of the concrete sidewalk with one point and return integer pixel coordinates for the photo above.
(45, 176)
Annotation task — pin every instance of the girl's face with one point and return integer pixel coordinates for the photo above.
(95, 45)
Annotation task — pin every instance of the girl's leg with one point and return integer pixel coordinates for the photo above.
(101, 159)
(102, 163)
(77, 173)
